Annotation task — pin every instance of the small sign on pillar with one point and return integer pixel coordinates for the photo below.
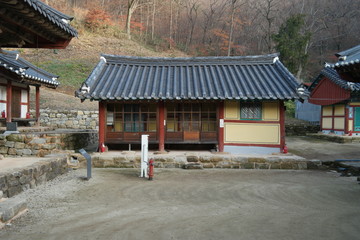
(144, 155)
(221, 123)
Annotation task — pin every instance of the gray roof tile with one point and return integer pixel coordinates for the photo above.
(27, 71)
(249, 77)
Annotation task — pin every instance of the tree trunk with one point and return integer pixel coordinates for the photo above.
(132, 5)
(153, 20)
(171, 24)
(231, 26)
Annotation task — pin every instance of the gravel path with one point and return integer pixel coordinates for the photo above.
(192, 204)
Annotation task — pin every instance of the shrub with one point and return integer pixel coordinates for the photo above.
(97, 19)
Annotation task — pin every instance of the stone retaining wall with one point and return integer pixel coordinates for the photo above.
(70, 119)
(15, 182)
(200, 161)
(335, 138)
(41, 144)
(300, 129)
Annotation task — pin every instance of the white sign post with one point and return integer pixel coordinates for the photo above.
(144, 155)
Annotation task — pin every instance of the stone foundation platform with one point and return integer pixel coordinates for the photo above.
(199, 160)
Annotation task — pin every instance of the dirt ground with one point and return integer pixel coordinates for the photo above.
(312, 148)
(192, 204)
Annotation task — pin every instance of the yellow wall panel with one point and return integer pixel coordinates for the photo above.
(232, 110)
(271, 111)
(339, 123)
(327, 123)
(327, 111)
(351, 123)
(252, 133)
(118, 126)
(152, 127)
(339, 110)
(354, 103)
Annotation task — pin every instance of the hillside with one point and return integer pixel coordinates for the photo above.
(75, 63)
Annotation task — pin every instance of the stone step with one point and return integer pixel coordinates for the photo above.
(11, 208)
(193, 165)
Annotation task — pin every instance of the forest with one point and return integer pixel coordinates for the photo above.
(307, 33)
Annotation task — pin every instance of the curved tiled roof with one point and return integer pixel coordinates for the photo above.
(53, 15)
(132, 78)
(33, 24)
(334, 76)
(27, 71)
(347, 57)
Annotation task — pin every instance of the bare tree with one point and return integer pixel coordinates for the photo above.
(131, 7)
(192, 7)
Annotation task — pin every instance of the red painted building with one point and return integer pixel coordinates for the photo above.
(337, 90)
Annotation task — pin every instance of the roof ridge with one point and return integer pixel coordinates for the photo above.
(255, 58)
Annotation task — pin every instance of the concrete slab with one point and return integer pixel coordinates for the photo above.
(9, 164)
(11, 208)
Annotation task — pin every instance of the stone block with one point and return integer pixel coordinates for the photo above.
(287, 165)
(192, 158)
(15, 138)
(302, 166)
(10, 144)
(40, 179)
(180, 159)
(256, 160)
(4, 150)
(239, 159)
(208, 165)
(223, 164)
(12, 151)
(27, 152)
(12, 191)
(11, 207)
(262, 166)
(1, 194)
(247, 165)
(169, 165)
(19, 152)
(193, 165)
(274, 166)
(48, 146)
(314, 164)
(43, 153)
(216, 159)
(19, 145)
(204, 159)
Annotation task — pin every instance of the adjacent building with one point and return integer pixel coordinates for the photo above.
(337, 90)
(27, 24)
(235, 104)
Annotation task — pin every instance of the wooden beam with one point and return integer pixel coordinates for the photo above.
(8, 101)
(37, 105)
(161, 124)
(282, 125)
(102, 122)
(221, 127)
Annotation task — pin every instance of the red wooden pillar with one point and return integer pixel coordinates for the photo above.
(161, 123)
(37, 105)
(102, 125)
(346, 130)
(8, 101)
(221, 127)
(282, 126)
